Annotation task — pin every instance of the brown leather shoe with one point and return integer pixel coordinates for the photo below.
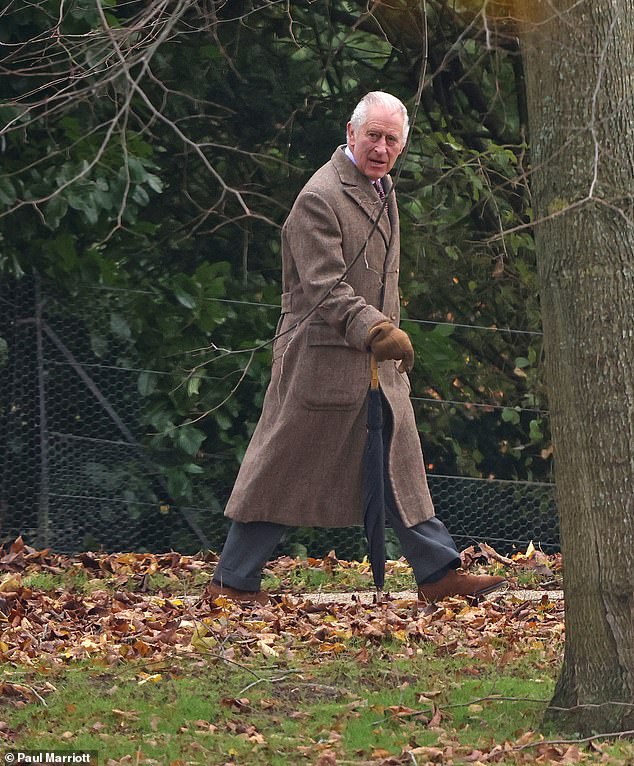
(214, 591)
(457, 583)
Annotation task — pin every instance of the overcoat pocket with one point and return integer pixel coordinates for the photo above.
(331, 374)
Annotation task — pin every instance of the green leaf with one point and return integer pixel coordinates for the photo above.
(7, 191)
(193, 385)
(98, 344)
(535, 432)
(443, 330)
(510, 415)
(64, 248)
(137, 170)
(147, 382)
(154, 182)
(193, 468)
(54, 210)
(189, 439)
(182, 290)
(178, 483)
(140, 196)
(224, 422)
(120, 326)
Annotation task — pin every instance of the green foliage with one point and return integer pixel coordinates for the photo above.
(162, 168)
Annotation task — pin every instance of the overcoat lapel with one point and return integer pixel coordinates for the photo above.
(358, 187)
(392, 216)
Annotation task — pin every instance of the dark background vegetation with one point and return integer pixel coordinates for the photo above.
(150, 153)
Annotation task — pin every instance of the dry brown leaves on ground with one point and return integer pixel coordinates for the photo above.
(115, 623)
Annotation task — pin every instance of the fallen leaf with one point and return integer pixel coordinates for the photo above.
(10, 583)
(236, 704)
(326, 758)
(126, 715)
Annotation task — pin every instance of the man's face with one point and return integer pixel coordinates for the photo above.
(378, 142)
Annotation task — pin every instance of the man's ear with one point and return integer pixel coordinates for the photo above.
(350, 135)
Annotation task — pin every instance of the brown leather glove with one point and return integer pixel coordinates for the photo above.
(388, 342)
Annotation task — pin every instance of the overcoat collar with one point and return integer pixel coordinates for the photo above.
(359, 187)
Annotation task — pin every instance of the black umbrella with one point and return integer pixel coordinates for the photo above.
(373, 482)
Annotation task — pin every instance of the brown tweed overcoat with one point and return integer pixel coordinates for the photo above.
(303, 466)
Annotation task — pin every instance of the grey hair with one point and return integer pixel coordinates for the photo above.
(378, 98)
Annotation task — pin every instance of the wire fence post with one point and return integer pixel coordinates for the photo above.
(43, 515)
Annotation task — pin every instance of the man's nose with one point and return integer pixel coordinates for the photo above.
(381, 145)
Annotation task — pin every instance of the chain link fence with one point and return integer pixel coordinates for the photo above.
(76, 474)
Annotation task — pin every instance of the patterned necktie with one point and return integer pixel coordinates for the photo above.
(379, 189)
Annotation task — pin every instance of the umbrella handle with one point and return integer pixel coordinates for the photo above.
(374, 380)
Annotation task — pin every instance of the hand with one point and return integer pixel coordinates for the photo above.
(386, 341)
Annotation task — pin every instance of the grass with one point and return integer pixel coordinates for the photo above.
(79, 581)
(207, 712)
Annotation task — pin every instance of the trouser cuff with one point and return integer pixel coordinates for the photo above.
(231, 580)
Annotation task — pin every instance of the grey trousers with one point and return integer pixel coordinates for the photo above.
(428, 547)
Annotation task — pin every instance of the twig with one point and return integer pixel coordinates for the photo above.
(35, 694)
(495, 698)
(490, 698)
(580, 741)
(267, 680)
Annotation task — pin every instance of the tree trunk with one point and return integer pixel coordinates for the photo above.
(579, 65)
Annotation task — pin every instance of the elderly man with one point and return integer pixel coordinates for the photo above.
(340, 305)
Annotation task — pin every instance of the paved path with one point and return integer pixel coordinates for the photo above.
(367, 597)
